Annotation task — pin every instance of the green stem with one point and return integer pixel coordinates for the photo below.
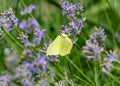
(79, 70)
(117, 68)
(82, 80)
(96, 77)
(13, 39)
(118, 81)
(108, 20)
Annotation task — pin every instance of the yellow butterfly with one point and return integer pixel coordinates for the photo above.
(62, 45)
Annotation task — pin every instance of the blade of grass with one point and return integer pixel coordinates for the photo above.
(79, 70)
(82, 80)
(12, 38)
(114, 78)
(96, 77)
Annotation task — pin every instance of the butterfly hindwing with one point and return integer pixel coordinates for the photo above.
(66, 45)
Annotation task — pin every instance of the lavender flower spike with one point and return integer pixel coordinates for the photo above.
(8, 20)
(38, 36)
(95, 45)
(28, 10)
(71, 9)
(41, 60)
(24, 39)
(106, 66)
(4, 80)
(29, 25)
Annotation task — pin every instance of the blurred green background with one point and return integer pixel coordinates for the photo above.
(98, 13)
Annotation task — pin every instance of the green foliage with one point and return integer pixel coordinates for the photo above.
(103, 13)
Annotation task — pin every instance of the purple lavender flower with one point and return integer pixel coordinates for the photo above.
(24, 39)
(23, 71)
(4, 80)
(28, 82)
(33, 69)
(94, 46)
(28, 10)
(92, 51)
(43, 82)
(29, 25)
(106, 66)
(22, 25)
(73, 12)
(117, 36)
(28, 55)
(98, 36)
(12, 84)
(73, 29)
(70, 9)
(76, 26)
(11, 59)
(60, 83)
(42, 61)
(8, 20)
(38, 36)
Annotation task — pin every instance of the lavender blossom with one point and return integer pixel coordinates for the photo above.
(43, 82)
(117, 36)
(60, 83)
(73, 29)
(41, 60)
(106, 66)
(98, 36)
(11, 59)
(29, 83)
(28, 55)
(76, 26)
(92, 51)
(23, 73)
(38, 36)
(94, 46)
(29, 25)
(24, 39)
(4, 80)
(73, 12)
(8, 20)
(70, 9)
(28, 10)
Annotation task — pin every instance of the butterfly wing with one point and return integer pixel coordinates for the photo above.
(54, 47)
(65, 45)
(60, 46)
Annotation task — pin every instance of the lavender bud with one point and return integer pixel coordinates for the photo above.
(106, 66)
(72, 10)
(38, 36)
(8, 20)
(76, 26)
(24, 39)
(117, 36)
(29, 25)
(42, 61)
(94, 46)
(4, 80)
(28, 10)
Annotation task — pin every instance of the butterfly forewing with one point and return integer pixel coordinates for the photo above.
(54, 47)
